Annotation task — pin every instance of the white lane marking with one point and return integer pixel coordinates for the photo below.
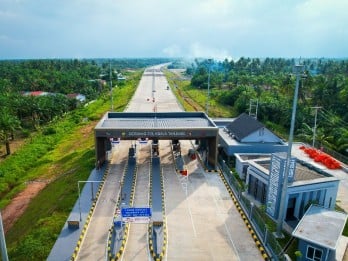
(226, 228)
(189, 209)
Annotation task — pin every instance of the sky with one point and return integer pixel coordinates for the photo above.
(219, 29)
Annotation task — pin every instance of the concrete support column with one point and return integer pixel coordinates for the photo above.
(298, 206)
(212, 152)
(314, 195)
(100, 150)
(322, 197)
(305, 201)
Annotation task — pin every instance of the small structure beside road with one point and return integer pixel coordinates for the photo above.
(264, 174)
(319, 232)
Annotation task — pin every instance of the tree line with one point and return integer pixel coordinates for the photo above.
(21, 114)
(271, 83)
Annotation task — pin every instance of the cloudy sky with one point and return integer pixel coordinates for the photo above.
(173, 28)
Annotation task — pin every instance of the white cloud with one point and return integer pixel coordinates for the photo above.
(172, 51)
(207, 28)
(6, 15)
(199, 50)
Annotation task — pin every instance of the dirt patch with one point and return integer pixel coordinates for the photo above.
(14, 146)
(86, 130)
(12, 212)
(19, 204)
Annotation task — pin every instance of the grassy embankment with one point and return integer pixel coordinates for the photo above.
(63, 153)
(193, 99)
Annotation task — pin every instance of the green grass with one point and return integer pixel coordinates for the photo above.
(47, 213)
(196, 99)
(65, 156)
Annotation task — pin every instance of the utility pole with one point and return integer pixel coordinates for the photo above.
(112, 98)
(315, 123)
(208, 93)
(283, 203)
(4, 255)
(253, 107)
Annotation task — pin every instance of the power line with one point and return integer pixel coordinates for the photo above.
(332, 115)
(336, 121)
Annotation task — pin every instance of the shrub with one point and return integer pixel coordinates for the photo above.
(49, 131)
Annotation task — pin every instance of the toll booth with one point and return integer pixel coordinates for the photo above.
(131, 152)
(192, 154)
(155, 148)
(176, 147)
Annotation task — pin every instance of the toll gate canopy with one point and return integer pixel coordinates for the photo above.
(156, 125)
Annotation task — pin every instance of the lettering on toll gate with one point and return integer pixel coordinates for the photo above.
(156, 133)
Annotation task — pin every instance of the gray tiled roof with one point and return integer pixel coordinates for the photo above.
(243, 126)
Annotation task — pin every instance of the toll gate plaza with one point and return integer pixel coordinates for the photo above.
(157, 126)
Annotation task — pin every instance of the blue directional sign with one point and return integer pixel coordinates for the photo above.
(135, 212)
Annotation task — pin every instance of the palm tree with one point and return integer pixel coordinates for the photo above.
(8, 124)
(325, 139)
(305, 133)
(342, 141)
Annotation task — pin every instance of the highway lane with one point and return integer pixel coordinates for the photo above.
(152, 94)
(93, 246)
(203, 223)
(137, 243)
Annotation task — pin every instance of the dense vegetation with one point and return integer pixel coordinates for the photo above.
(57, 78)
(57, 133)
(270, 83)
(60, 153)
(21, 115)
(130, 63)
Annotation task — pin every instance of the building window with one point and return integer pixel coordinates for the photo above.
(314, 254)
